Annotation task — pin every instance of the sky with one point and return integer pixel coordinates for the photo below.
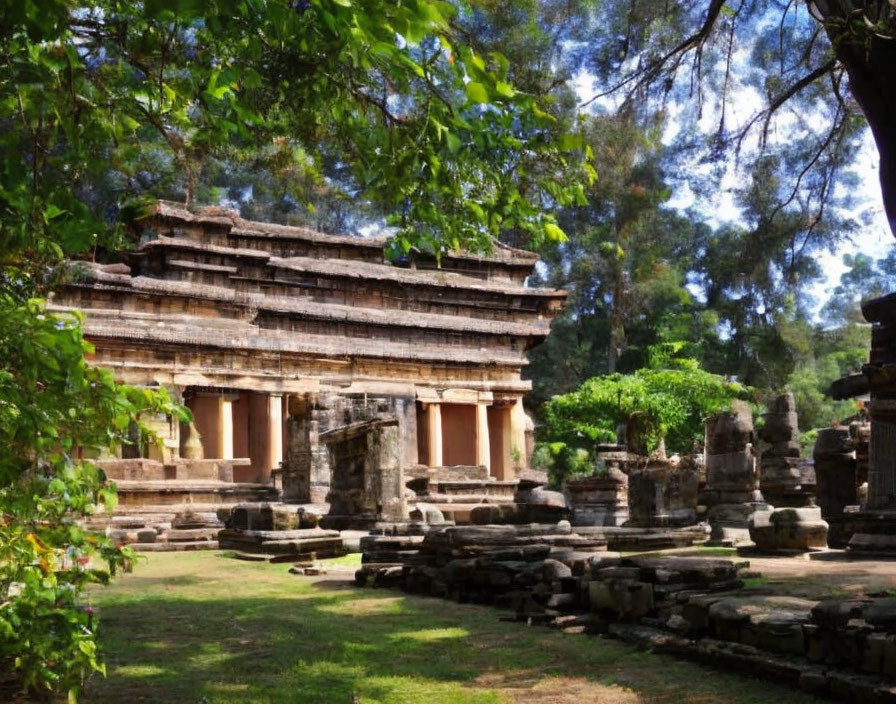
(873, 236)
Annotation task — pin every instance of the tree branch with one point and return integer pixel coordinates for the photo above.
(652, 70)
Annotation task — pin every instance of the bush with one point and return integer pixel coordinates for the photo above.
(55, 411)
(673, 403)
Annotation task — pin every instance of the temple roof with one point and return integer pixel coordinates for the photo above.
(210, 296)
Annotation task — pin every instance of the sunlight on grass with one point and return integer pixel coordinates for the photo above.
(353, 559)
(405, 690)
(139, 671)
(190, 628)
(428, 635)
(375, 605)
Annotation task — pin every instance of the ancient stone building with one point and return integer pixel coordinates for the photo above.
(275, 335)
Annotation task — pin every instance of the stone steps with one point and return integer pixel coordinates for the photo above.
(180, 491)
(176, 547)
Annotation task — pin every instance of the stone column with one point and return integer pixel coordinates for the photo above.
(794, 523)
(225, 428)
(518, 435)
(434, 434)
(275, 433)
(483, 448)
(731, 487)
(882, 467)
(875, 525)
(835, 474)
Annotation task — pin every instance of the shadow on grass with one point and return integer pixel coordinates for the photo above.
(327, 642)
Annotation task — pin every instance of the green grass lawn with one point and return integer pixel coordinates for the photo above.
(206, 629)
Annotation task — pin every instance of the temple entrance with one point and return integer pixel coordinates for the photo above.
(458, 434)
(239, 424)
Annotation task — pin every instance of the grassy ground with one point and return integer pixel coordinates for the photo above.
(201, 628)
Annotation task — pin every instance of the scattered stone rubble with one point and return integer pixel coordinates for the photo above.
(690, 606)
(287, 532)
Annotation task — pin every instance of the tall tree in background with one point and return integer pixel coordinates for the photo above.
(795, 55)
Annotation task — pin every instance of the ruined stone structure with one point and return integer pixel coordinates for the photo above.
(275, 336)
(732, 487)
(787, 481)
(663, 494)
(601, 499)
(838, 479)
(875, 526)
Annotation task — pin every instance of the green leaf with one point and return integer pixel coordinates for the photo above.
(476, 92)
(554, 232)
(505, 89)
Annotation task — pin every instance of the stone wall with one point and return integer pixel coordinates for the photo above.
(367, 482)
(307, 474)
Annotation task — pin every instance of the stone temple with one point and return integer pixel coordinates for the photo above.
(276, 337)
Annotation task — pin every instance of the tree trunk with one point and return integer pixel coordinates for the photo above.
(870, 61)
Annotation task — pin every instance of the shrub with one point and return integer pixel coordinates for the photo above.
(673, 403)
(55, 411)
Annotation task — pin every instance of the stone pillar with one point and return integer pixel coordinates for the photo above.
(275, 433)
(731, 483)
(882, 467)
(434, 434)
(875, 525)
(483, 448)
(784, 478)
(225, 428)
(835, 473)
(794, 523)
(518, 435)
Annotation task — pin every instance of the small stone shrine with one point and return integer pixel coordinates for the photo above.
(793, 521)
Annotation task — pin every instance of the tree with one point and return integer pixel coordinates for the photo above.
(802, 53)
(624, 264)
(672, 395)
(55, 413)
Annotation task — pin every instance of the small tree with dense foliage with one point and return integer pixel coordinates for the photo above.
(673, 397)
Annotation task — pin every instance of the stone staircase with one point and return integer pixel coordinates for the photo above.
(173, 506)
(456, 491)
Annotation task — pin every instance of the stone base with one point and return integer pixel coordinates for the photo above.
(599, 515)
(789, 529)
(875, 532)
(730, 523)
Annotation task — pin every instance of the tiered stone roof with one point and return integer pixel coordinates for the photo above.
(210, 298)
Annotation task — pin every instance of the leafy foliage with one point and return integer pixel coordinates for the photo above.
(55, 411)
(102, 101)
(672, 398)
(380, 98)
